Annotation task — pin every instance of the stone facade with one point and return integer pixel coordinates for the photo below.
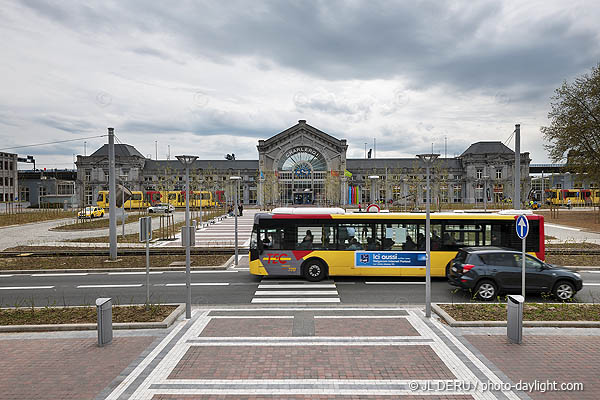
(8, 177)
(303, 165)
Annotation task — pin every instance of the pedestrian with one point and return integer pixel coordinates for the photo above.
(569, 203)
(241, 209)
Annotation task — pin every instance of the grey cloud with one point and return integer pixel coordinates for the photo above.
(430, 43)
(330, 103)
(65, 124)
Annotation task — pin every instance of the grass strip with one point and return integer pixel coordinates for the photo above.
(82, 315)
(99, 262)
(98, 223)
(27, 217)
(531, 312)
(581, 260)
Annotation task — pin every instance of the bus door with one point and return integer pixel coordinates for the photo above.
(276, 250)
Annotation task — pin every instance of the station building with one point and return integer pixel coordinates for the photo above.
(304, 165)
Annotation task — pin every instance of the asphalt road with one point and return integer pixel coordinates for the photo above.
(235, 287)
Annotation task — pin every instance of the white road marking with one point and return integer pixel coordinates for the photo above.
(210, 272)
(200, 284)
(136, 273)
(107, 286)
(591, 284)
(300, 286)
(585, 272)
(65, 274)
(563, 227)
(394, 283)
(5, 276)
(296, 300)
(295, 292)
(25, 287)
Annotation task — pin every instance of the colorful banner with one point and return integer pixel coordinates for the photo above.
(389, 259)
(347, 173)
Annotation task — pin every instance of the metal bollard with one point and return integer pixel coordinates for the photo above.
(514, 318)
(104, 310)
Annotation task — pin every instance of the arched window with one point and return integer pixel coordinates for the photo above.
(303, 161)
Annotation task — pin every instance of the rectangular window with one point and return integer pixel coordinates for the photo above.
(358, 236)
(66, 188)
(499, 173)
(24, 196)
(479, 173)
(277, 238)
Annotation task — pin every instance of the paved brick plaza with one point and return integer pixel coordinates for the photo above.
(296, 353)
(556, 358)
(64, 368)
(307, 353)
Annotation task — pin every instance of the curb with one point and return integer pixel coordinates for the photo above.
(167, 322)
(581, 268)
(546, 324)
(229, 263)
(105, 270)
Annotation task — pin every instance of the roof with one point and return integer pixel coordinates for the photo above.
(382, 163)
(220, 165)
(298, 128)
(121, 150)
(487, 148)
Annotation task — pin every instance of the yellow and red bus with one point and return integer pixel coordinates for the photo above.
(577, 197)
(316, 243)
(146, 199)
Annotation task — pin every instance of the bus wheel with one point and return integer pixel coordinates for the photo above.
(314, 270)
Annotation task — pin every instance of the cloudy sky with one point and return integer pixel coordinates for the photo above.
(213, 77)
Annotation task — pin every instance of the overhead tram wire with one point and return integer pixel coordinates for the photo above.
(507, 141)
(49, 143)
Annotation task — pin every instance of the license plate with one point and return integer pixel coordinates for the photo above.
(454, 269)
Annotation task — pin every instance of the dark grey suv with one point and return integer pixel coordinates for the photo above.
(489, 271)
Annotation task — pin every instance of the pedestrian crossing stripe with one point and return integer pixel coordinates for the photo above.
(279, 292)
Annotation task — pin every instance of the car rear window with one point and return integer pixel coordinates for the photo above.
(461, 256)
(473, 259)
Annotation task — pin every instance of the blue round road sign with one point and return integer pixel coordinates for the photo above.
(522, 227)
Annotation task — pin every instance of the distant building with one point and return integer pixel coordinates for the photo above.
(304, 165)
(48, 188)
(8, 178)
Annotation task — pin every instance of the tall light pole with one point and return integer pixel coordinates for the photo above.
(428, 160)
(374, 188)
(123, 178)
(237, 179)
(187, 161)
(112, 191)
(517, 173)
(485, 179)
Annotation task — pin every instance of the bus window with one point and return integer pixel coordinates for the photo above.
(315, 237)
(307, 235)
(358, 236)
(462, 235)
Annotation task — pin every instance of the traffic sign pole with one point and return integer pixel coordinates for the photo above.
(522, 228)
(523, 271)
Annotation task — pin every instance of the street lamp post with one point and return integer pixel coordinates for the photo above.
(237, 179)
(485, 179)
(428, 160)
(374, 189)
(123, 178)
(187, 161)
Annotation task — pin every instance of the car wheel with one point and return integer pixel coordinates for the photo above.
(314, 271)
(564, 290)
(486, 290)
(448, 271)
